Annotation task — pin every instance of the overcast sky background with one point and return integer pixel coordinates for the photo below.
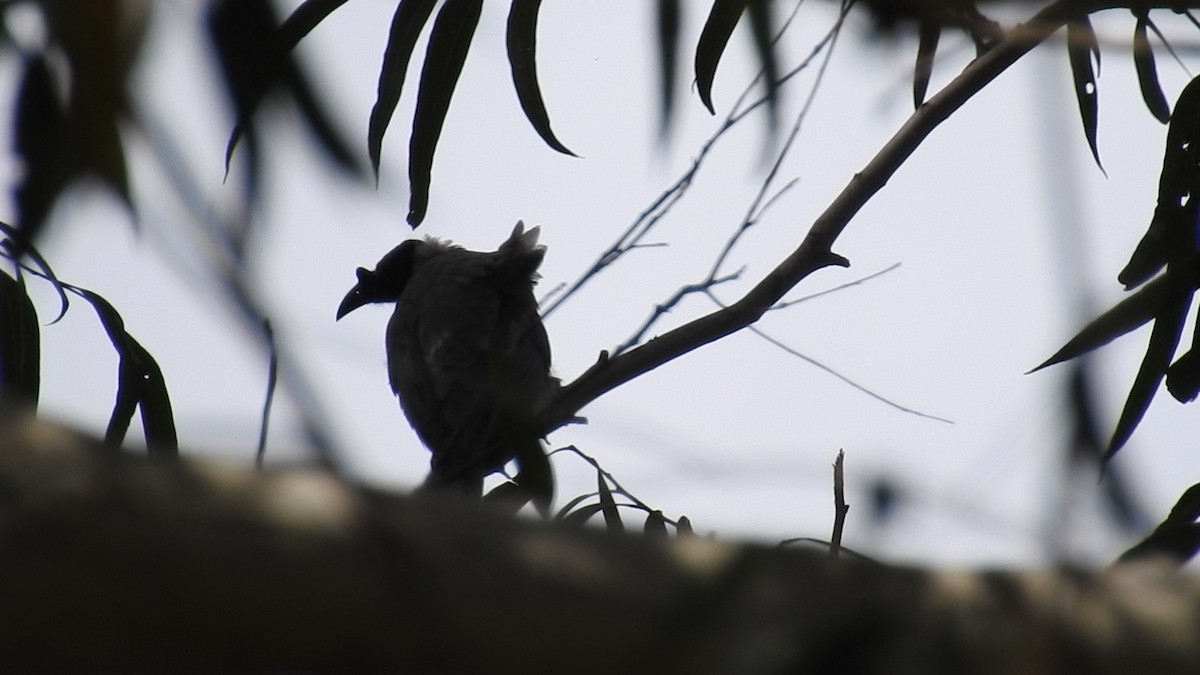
(739, 435)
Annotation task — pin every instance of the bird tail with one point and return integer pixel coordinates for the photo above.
(521, 254)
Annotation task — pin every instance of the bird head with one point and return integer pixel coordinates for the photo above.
(386, 281)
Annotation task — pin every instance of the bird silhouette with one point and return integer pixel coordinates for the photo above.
(467, 355)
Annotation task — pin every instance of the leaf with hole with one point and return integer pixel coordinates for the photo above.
(1083, 49)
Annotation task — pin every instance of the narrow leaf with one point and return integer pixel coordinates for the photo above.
(761, 30)
(20, 344)
(407, 22)
(1147, 73)
(612, 517)
(1164, 338)
(582, 514)
(722, 19)
(521, 41)
(449, 42)
(1082, 49)
(1172, 228)
(139, 383)
(305, 18)
(928, 34)
(668, 58)
(39, 133)
(43, 268)
(1127, 315)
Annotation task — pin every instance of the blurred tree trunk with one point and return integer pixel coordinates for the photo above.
(113, 562)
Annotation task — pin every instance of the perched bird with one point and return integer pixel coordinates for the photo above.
(467, 355)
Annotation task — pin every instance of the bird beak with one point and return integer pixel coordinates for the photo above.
(357, 297)
(353, 300)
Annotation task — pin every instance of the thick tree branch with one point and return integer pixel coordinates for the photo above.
(816, 250)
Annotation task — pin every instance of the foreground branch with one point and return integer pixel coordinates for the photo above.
(111, 562)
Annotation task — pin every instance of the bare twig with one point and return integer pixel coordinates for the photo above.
(815, 251)
(840, 507)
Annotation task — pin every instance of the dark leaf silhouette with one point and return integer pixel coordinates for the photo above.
(1164, 338)
(40, 139)
(407, 22)
(612, 517)
(20, 343)
(1127, 315)
(1083, 49)
(1147, 73)
(250, 46)
(449, 42)
(305, 18)
(722, 19)
(656, 524)
(41, 269)
(928, 34)
(1178, 536)
(521, 42)
(582, 514)
(139, 385)
(1171, 235)
(668, 58)
(761, 29)
(1183, 377)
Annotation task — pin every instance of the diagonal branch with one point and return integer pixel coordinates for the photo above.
(816, 250)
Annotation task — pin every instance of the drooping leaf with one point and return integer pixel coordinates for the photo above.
(140, 384)
(42, 267)
(722, 19)
(1127, 315)
(668, 58)
(762, 30)
(1177, 536)
(1147, 73)
(928, 33)
(612, 517)
(1083, 50)
(507, 496)
(1164, 338)
(253, 49)
(449, 42)
(305, 18)
(40, 140)
(408, 21)
(536, 477)
(1171, 235)
(582, 514)
(100, 40)
(244, 36)
(20, 344)
(521, 42)
(656, 525)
